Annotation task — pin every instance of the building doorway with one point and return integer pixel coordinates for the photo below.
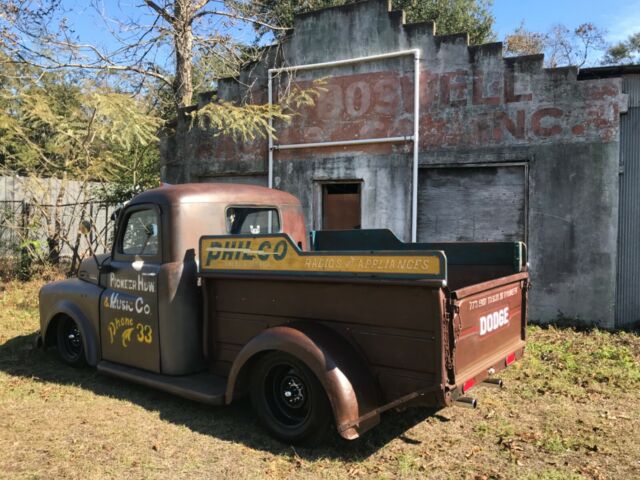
(341, 206)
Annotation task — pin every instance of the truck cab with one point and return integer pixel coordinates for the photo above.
(148, 283)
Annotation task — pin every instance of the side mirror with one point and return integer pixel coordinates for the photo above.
(151, 229)
(85, 227)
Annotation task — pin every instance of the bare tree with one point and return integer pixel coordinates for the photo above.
(166, 29)
(525, 42)
(168, 50)
(574, 47)
(560, 45)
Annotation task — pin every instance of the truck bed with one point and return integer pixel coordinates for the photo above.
(423, 341)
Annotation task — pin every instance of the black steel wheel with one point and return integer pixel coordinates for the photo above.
(70, 344)
(289, 399)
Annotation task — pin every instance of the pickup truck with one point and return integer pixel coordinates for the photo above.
(215, 291)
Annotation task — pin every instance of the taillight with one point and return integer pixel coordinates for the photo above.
(468, 384)
(510, 358)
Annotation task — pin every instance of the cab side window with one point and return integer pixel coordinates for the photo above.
(253, 220)
(140, 233)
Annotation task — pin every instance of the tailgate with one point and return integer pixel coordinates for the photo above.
(489, 321)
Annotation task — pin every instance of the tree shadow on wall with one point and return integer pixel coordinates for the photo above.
(237, 422)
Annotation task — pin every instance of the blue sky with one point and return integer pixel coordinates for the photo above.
(619, 18)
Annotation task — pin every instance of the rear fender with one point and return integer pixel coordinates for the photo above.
(344, 375)
(89, 335)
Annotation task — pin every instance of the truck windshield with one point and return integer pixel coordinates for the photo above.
(253, 220)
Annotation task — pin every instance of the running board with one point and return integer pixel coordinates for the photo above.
(199, 387)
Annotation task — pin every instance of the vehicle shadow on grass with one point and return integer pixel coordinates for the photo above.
(237, 422)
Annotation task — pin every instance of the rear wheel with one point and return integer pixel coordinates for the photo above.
(289, 399)
(70, 343)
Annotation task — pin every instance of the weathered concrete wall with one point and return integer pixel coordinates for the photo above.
(476, 107)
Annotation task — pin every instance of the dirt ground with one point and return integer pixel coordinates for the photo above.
(570, 410)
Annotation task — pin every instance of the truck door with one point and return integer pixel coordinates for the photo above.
(128, 306)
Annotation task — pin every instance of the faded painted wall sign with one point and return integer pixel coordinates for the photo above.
(278, 254)
(468, 107)
(457, 108)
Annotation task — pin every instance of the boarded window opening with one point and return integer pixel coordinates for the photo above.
(473, 203)
(341, 206)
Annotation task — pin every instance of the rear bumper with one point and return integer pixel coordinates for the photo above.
(487, 369)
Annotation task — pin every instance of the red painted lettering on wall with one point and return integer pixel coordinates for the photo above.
(357, 99)
(516, 127)
(542, 123)
(453, 88)
(479, 87)
(386, 95)
(509, 88)
(375, 105)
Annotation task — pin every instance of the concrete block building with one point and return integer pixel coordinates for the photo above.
(437, 140)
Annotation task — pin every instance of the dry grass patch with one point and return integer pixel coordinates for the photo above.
(569, 411)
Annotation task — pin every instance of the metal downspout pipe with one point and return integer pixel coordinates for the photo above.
(270, 100)
(416, 122)
(416, 138)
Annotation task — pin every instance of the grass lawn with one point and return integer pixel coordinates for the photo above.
(570, 410)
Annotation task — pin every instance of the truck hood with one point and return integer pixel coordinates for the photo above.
(88, 270)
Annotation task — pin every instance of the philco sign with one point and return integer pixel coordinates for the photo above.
(278, 254)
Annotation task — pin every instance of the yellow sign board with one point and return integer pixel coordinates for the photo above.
(278, 254)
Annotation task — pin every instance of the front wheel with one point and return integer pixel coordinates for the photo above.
(69, 342)
(289, 399)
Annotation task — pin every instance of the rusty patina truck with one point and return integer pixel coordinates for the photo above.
(214, 291)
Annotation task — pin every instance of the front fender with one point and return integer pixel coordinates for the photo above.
(344, 375)
(78, 300)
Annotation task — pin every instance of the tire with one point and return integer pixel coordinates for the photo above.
(289, 400)
(70, 343)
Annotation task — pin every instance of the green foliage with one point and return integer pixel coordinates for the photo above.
(118, 119)
(627, 51)
(450, 16)
(130, 172)
(52, 125)
(98, 142)
(243, 123)
(554, 474)
(453, 16)
(250, 121)
(29, 252)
